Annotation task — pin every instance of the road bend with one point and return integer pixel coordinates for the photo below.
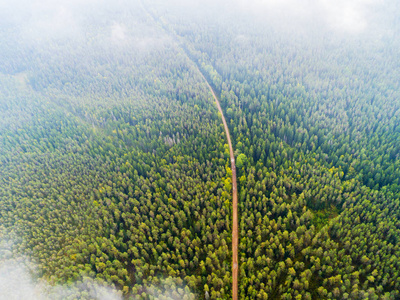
(235, 233)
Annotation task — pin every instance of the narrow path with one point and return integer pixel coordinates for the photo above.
(235, 232)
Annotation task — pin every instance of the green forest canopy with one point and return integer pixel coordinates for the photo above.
(114, 163)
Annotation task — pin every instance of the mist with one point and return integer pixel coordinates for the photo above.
(43, 25)
(17, 283)
(44, 19)
(19, 279)
(351, 17)
(337, 17)
(90, 86)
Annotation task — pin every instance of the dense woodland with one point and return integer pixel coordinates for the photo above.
(115, 167)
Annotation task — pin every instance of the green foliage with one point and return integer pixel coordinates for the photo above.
(115, 165)
(241, 160)
(322, 217)
(322, 167)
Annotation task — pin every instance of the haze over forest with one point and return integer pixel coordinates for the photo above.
(116, 177)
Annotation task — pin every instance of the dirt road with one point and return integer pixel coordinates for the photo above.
(235, 234)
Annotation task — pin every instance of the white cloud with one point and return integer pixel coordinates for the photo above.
(118, 33)
(17, 281)
(349, 16)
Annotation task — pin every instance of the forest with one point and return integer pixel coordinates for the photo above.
(115, 172)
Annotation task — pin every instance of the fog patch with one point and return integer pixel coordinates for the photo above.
(19, 280)
(118, 33)
(42, 20)
(241, 39)
(342, 16)
(16, 282)
(52, 23)
(347, 16)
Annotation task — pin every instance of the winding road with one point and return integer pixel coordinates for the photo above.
(235, 233)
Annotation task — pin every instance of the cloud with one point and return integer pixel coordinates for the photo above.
(38, 21)
(57, 22)
(348, 16)
(18, 281)
(15, 282)
(118, 33)
(41, 20)
(345, 16)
